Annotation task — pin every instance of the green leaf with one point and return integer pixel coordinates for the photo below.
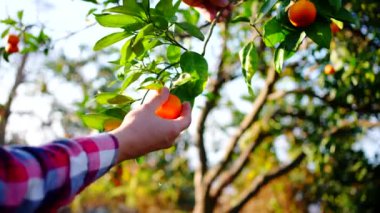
(9, 21)
(117, 112)
(140, 160)
(196, 66)
(5, 33)
(191, 29)
(337, 4)
(152, 86)
(183, 79)
(126, 53)
(190, 16)
(146, 5)
(120, 21)
(143, 46)
(92, 1)
(110, 39)
(20, 14)
(249, 61)
(131, 77)
(132, 8)
(147, 30)
(266, 7)
(94, 121)
(287, 49)
(320, 33)
(345, 15)
(90, 12)
(240, 19)
(293, 41)
(173, 53)
(166, 8)
(113, 98)
(279, 58)
(273, 32)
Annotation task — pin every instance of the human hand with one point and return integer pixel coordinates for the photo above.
(142, 131)
(210, 8)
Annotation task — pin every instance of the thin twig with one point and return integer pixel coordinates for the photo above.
(209, 34)
(246, 123)
(264, 180)
(12, 94)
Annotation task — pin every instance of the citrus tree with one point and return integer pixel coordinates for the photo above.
(311, 76)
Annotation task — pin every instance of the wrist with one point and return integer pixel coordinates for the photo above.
(127, 146)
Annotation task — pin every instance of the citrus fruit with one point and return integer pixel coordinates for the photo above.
(302, 13)
(329, 69)
(13, 39)
(110, 125)
(171, 109)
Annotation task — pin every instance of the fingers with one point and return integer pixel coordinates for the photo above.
(158, 99)
(184, 120)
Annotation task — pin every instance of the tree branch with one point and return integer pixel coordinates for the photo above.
(333, 103)
(263, 180)
(246, 123)
(221, 78)
(230, 175)
(7, 107)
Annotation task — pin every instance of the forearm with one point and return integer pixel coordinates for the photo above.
(44, 178)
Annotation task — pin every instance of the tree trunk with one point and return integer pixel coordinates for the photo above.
(204, 203)
(7, 107)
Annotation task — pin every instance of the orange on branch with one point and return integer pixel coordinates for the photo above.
(329, 69)
(171, 109)
(13, 39)
(302, 13)
(334, 28)
(112, 124)
(11, 49)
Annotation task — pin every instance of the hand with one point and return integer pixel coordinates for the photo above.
(210, 8)
(142, 131)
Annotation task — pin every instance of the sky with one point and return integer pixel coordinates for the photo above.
(60, 19)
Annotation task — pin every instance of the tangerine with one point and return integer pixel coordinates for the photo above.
(13, 39)
(329, 69)
(334, 28)
(171, 109)
(302, 13)
(11, 49)
(111, 124)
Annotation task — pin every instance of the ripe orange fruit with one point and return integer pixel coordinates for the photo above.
(334, 28)
(329, 69)
(111, 124)
(302, 13)
(13, 39)
(171, 109)
(11, 48)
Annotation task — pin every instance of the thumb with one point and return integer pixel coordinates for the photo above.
(160, 98)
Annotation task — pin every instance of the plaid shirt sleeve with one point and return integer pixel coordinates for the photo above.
(41, 179)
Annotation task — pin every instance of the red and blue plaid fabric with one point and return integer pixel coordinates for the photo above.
(42, 179)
